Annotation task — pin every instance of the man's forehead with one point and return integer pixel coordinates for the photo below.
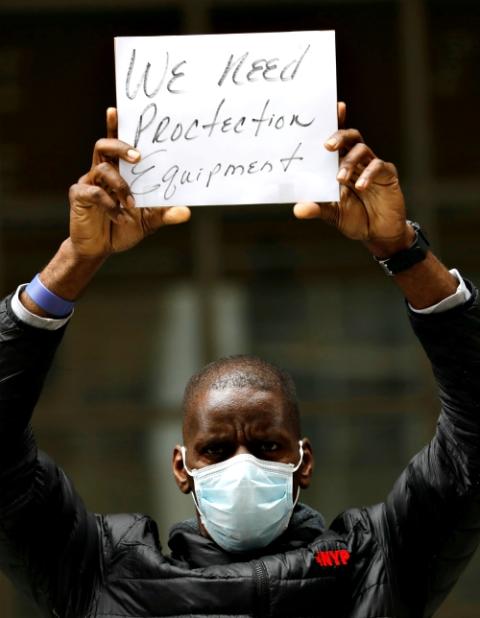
(214, 397)
(213, 406)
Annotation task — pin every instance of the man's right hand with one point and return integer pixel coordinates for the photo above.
(103, 217)
(103, 220)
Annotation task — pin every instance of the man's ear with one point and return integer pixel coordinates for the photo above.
(305, 472)
(181, 477)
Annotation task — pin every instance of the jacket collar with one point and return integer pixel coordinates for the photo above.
(190, 548)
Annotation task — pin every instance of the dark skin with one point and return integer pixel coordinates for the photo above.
(223, 423)
(103, 220)
(220, 424)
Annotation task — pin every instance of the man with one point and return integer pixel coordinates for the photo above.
(254, 550)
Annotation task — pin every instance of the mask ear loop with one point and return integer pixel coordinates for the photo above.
(183, 450)
(300, 442)
(190, 473)
(300, 450)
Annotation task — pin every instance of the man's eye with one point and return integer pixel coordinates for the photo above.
(216, 450)
(268, 447)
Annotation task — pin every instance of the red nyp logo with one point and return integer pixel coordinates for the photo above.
(337, 557)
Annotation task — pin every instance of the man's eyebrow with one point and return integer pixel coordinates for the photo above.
(210, 437)
(278, 428)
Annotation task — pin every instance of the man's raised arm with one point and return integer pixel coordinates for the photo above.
(48, 540)
(430, 522)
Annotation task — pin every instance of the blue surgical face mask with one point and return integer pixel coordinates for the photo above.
(244, 502)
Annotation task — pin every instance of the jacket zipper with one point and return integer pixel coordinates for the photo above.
(261, 583)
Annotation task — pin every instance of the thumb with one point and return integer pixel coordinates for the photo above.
(176, 214)
(154, 218)
(327, 211)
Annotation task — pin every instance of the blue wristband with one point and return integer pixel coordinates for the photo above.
(48, 301)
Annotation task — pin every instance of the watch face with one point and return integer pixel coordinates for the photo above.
(420, 233)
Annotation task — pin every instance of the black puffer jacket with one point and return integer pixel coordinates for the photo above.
(396, 559)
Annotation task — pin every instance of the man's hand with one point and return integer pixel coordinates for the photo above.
(371, 207)
(103, 220)
(103, 217)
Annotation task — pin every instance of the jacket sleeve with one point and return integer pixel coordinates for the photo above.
(433, 511)
(48, 541)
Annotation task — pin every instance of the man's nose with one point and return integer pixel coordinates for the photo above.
(242, 450)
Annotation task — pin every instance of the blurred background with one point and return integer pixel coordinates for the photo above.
(239, 279)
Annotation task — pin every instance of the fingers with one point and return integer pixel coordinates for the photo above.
(379, 172)
(344, 139)
(353, 163)
(359, 166)
(362, 168)
(105, 175)
(84, 196)
(110, 149)
(106, 154)
(112, 122)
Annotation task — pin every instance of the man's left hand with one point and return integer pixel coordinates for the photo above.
(371, 207)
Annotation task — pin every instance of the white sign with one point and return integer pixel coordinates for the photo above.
(228, 119)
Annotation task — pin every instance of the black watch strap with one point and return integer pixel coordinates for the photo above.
(407, 258)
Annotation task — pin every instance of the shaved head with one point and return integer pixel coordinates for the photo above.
(242, 371)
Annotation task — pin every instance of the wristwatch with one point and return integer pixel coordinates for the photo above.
(398, 262)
